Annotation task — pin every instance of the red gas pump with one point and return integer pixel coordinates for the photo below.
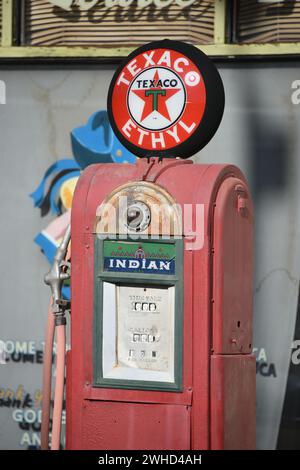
(161, 331)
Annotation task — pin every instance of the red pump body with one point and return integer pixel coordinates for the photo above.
(215, 408)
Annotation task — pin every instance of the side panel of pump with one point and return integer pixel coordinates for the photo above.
(232, 269)
(232, 364)
(233, 402)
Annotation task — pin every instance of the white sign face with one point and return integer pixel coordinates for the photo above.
(138, 333)
(156, 98)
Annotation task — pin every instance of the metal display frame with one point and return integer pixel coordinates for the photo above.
(154, 280)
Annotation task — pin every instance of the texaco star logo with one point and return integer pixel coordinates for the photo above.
(158, 99)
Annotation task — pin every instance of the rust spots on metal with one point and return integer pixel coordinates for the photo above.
(166, 215)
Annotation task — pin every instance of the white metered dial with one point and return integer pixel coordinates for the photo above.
(145, 328)
(138, 216)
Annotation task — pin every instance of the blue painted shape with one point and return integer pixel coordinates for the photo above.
(96, 143)
(63, 164)
(120, 154)
(47, 246)
(56, 188)
(66, 292)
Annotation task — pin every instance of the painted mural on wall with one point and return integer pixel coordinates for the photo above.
(94, 142)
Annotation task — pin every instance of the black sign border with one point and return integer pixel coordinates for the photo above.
(214, 107)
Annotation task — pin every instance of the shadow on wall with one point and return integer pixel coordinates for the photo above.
(270, 158)
(268, 151)
(289, 434)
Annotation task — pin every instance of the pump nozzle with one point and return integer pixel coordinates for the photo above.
(59, 272)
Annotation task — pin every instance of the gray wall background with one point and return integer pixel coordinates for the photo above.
(260, 133)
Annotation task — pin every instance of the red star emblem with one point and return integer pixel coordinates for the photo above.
(155, 99)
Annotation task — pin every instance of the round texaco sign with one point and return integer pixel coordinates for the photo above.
(166, 100)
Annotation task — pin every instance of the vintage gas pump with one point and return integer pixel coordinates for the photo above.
(161, 319)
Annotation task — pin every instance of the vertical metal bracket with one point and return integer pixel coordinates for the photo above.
(7, 23)
(220, 22)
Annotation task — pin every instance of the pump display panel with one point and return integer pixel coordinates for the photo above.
(138, 314)
(138, 332)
